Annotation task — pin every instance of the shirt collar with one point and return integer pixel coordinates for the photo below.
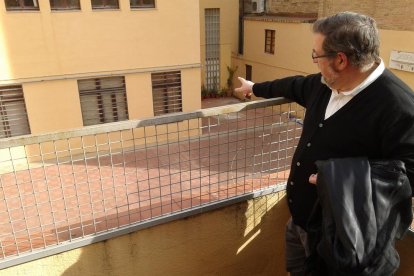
(370, 79)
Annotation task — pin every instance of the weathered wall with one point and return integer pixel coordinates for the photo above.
(293, 6)
(390, 15)
(243, 239)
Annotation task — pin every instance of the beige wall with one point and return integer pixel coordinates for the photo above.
(229, 14)
(52, 105)
(293, 46)
(44, 44)
(400, 41)
(47, 52)
(243, 239)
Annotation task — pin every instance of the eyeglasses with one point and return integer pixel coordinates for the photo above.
(314, 56)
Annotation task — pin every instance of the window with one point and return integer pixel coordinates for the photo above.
(21, 5)
(103, 100)
(270, 41)
(166, 92)
(13, 115)
(105, 4)
(212, 61)
(56, 5)
(139, 4)
(249, 73)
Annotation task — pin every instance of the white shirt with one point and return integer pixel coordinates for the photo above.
(338, 100)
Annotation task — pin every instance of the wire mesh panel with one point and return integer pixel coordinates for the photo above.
(63, 187)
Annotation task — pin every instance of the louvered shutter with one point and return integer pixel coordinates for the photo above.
(166, 90)
(103, 100)
(13, 114)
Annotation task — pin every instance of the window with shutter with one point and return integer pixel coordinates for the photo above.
(21, 5)
(13, 114)
(103, 100)
(270, 41)
(140, 4)
(166, 92)
(64, 5)
(105, 4)
(212, 60)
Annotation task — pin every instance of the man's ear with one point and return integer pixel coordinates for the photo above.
(342, 61)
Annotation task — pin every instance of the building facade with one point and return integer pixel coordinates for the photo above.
(277, 41)
(70, 64)
(219, 40)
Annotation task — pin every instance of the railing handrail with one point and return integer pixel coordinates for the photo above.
(136, 123)
(212, 159)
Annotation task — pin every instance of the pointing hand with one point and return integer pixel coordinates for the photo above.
(246, 87)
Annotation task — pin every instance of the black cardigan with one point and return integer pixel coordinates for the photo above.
(378, 123)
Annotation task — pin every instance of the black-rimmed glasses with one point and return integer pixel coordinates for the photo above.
(314, 56)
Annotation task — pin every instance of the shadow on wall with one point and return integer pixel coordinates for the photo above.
(242, 239)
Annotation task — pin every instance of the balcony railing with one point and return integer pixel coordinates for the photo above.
(64, 190)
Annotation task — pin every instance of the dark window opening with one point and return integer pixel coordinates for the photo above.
(270, 41)
(12, 5)
(140, 4)
(105, 4)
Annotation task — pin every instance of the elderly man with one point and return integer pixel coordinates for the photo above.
(355, 107)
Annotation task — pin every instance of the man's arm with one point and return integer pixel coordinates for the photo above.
(296, 88)
(398, 143)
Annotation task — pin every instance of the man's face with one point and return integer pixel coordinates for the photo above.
(325, 63)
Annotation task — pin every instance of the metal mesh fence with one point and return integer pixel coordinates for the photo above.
(58, 188)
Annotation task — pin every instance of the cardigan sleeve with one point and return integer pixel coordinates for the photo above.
(397, 123)
(398, 143)
(295, 88)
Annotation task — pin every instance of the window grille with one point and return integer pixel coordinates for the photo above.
(270, 41)
(64, 5)
(166, 92)
(13, 115)
(212, 35)
(105, 4)
(139, 4)
(21, 5)
(103, 100)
